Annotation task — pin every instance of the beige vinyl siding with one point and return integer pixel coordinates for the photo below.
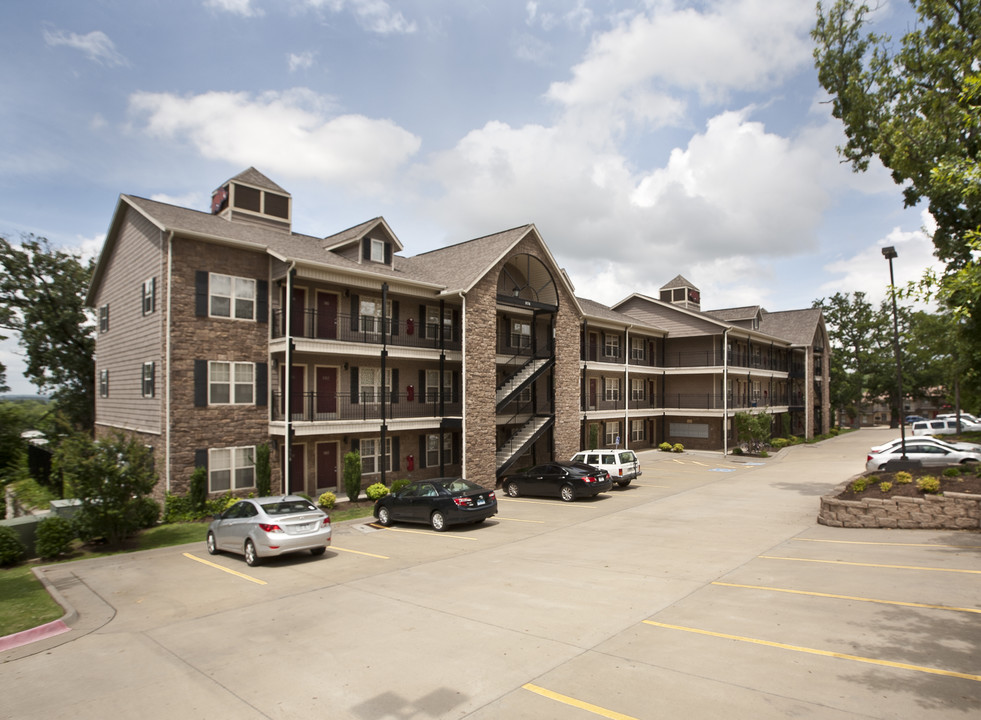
(676, 322)
(133, 338)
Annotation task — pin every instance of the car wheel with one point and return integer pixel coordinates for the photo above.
(438, 521)
(212, 544)
(251, 558)
(511, 488)
(623, 483)
(384, 516)
(318, 551)
(567, 493)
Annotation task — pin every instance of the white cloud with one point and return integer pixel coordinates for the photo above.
(373, 15)
(301, 61)
(245, 8)
(289, 133)
(96, 45)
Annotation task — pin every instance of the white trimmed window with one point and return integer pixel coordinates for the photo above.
(231, 383)
(104, 318)
(637, 348)
(231, 468)
(433, 320)
(432, 385)
(637, 388)
(370, 310)
(232, 297)
(149, 379)
(377, 251)
(637, 431)
(612, 433)
(611, 348)
(104, 383)
(369, 383)
(149, 296)
(371, 462)
(520, 333)
(612, 389)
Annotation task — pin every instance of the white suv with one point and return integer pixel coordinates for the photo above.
(622, 465)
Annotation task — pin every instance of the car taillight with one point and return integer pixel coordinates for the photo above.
(491, 496)
(588, 479)
(463, 501)
(266, 527)
(868, 458)
(621, 472)
(327, 520)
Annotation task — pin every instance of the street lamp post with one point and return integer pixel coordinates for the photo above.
(889, 253)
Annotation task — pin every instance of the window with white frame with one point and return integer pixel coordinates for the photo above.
(433, 452)
(432, 385)
(370, 383)
(231, 468)
(611, 346)
(636, 388)
(232, 297)
(377, 250)
(433, 320)
(637, 431)
(231, 383)
(612, 433)
(104, 383)
(520, 333)
(370, 310)
(612, 388)
(371, 461)
(104, 318)
(638, 348)
(149, 296)
(149, 379)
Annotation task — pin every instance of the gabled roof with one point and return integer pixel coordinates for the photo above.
(678, 282)
(355, 234)
(797, 326)
(598, 311)
(748, 312)
(257, 179)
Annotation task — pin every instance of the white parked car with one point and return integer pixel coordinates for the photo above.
(942, 426)
(926, 453)
(622, 465)
(964, 416)
(960, 446)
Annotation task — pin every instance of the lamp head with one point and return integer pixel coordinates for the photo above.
(889, 253)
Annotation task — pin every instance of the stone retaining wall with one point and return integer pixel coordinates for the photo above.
(950, 511)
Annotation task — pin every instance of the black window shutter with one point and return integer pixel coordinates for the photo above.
(388, 253)
(396, 455)
(422, 451)
(395, 385)
(262, 384)
(395, 318)
(456, 325)
(262, 301)
(507, 331)
(456, 386)
(365, 248)
(422, 386)
(200, 383)
(355, 309)
(354, 386)
(201, 458)
(455, 440)
(153, 294)
(422, 321)
(201, 293)
(356, 445)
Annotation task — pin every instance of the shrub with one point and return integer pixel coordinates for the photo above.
(904, 478)
(12, 550)
(928, 484)
(678, 448)
(885, 486)
(263, 471)
(779, 443)
(859, 485)
(352, 475)
(664, 447)
(197, 493)
(399, 484)
(54, 535)
(327, 500)
(952, 471)
(375, 491)
(147, 512)
(737, 450)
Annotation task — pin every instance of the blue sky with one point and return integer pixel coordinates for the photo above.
(643, 139)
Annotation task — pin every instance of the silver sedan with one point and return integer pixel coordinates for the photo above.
(927, 454)
(270, 526)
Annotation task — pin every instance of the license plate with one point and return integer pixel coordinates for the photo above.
(481, 501)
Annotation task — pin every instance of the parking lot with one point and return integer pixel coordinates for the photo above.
(704, 589)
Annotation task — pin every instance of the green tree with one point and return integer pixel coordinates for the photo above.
(42, 298)
(263, 471)
(112, 477)
(754, 427)
(352, 475)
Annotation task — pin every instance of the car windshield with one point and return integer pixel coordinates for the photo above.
(455, 485)
(628, 456)
(287, 507)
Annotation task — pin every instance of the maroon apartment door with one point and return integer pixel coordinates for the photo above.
(326, 316)
(297, 473)
(296, 391)
(592, 392)
(326, 465)
(326, 391)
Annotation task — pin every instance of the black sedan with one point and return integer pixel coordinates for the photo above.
(440, 502)
(567, 480)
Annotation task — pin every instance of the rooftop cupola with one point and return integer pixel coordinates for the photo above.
(682, 293)
(252, 197)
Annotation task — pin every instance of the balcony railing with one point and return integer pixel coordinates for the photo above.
(366, 405)
(363, 329)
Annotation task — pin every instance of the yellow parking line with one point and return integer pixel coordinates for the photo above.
(824, 653)
(428, 533)
(554, 503)
(501, 517)
(595, 709)
(257, 581)
(850, 597)
(866, 542)
(876, 565)
(358, 552)
(648, 485)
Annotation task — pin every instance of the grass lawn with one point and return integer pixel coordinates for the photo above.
(26, 604)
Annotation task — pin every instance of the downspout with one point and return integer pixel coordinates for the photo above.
(627, 392)
(463, 386)
(725, 392)
(287, 333)
(167, 354)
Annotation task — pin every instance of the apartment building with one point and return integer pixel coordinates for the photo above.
(221, 331)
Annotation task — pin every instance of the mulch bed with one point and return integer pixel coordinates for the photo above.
(970, 483)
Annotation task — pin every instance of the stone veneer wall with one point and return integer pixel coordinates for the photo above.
(950, 511)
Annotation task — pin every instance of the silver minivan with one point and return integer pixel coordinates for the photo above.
(622, 465)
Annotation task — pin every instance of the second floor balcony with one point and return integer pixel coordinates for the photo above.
(365, 329)
(366, 405)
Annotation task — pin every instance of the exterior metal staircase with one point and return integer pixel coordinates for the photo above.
(524, 438)
(521, 379)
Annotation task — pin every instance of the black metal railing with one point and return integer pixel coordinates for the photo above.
(364, 405)
(363, 329)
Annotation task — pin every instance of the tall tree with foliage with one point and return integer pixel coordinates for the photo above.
(917, 107)
(42, 298)
(112, 477)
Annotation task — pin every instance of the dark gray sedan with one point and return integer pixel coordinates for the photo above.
(440, 502)
(567, 480)
(270, 526)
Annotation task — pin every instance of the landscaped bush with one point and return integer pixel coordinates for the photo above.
(197, 493)
(904, 478)
(12, 550)
(928, 484)
(375, 491)
(327, 500)
(54, 536)
(859, 484)
(952, 471)
(664, 447)
(737, 450)
(678, 448)
(885, 486)
(780, 443)
(399, 484)
(147, 512)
